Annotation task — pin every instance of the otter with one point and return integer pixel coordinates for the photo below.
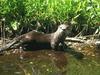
(38, 40)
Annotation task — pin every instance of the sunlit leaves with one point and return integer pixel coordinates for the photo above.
(24, 11)
(15, 25)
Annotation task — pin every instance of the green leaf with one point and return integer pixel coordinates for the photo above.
(15, 25)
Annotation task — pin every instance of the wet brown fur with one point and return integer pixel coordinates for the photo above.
(37, 40)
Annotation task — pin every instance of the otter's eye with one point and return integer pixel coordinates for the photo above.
(61, 27)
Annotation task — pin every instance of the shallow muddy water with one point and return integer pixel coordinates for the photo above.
(33, 63)
(47, 62)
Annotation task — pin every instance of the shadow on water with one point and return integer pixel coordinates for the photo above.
(67, 49)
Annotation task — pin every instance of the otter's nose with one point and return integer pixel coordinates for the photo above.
(63, 29)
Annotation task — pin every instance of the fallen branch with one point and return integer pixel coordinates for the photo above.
(96, 42)
(74, 40)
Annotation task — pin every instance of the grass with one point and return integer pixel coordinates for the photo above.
(44, 14)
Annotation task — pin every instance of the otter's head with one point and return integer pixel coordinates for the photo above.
(63, 28)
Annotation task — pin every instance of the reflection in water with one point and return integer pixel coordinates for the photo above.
(58, 58)
(43, 62)
(47, 62)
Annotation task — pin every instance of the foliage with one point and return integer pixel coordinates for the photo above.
(44, 14)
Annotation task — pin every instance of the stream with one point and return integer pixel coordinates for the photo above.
(47, 62)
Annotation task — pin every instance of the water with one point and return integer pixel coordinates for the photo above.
(41, 62)
(48, 62)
